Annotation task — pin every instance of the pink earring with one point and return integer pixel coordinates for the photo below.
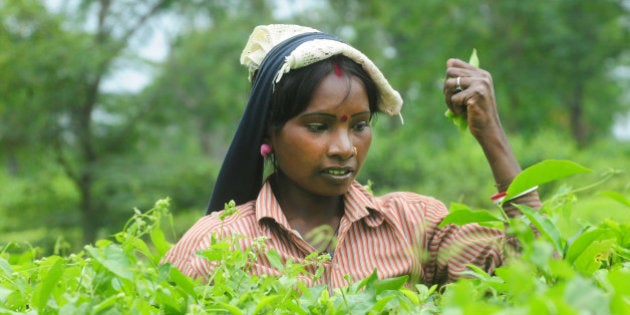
(265, 150)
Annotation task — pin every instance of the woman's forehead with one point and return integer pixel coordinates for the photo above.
(338, 92)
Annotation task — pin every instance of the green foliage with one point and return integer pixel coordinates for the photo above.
(542, 173)
(588, 271)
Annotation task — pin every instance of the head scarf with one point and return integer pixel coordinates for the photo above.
(271, 51)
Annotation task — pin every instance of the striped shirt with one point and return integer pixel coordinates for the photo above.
(396, 234)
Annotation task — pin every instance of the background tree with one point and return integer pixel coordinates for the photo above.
(64, 87)
(197, 99)
(552, 62)
(38, 81)
(580, 93)
(106, 144)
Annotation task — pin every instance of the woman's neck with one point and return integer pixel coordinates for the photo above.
(305, 210)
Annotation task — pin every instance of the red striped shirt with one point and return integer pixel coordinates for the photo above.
(396, 234)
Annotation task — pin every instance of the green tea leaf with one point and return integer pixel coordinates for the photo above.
(584, 240)
(5, 267)
(617, 197)
(584, 295)
(474, 60)
(544, 226)
(274, 259)
(159, 241)
(380, 304)
(105, 304)
(140, 246)
(169, 304)
(49, 279)
(367, 282)
(624, 253)
(183, 282)
(390, 284)
(541, 173)
(591, 258)
(113, 259)
(266, 301)
(620, 280)
(411, 295)
(227, 307)
(460, 121)
(466, 216)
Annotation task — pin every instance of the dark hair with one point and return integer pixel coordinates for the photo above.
(295, 90)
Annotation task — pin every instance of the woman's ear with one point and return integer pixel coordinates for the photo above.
(265, 150)
(266, 147)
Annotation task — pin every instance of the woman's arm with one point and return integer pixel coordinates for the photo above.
(474, 99)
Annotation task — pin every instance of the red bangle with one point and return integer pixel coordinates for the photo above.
(497, 196)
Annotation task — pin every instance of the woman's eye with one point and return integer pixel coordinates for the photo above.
(361, 125)
(316, 127)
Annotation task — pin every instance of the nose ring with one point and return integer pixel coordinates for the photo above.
(355, 150)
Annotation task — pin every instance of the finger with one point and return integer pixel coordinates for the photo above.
(453, 62)
(459, 104)
(458, 63)
(448, 90)
(452, 89)
(460, 72)
(454, 85)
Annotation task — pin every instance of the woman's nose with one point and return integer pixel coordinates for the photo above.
(341, 146)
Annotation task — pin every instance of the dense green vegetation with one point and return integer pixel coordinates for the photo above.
(574, 267)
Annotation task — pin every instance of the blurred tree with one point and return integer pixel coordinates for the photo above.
(202, 89)
(54, 90)
(558, 61)
(551, 61)
(116, 147)
(38, 76)
(29, 73)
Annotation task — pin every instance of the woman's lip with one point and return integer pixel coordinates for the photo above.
(338, 173)
(331, 170)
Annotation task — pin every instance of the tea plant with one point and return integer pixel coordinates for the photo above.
(556, 273)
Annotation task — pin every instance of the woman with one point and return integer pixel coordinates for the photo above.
(309, 113)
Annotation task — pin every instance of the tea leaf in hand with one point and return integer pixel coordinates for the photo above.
(474, 60)
(460, 121)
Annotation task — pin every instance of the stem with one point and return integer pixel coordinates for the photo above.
(607, 176)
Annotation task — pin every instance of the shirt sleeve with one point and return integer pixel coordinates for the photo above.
(450, 249)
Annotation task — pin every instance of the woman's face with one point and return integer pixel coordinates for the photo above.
(322, 149)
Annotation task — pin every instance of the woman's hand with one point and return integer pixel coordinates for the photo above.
(474, 99)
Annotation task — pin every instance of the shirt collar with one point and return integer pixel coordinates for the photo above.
(358, 201)
(267, 206)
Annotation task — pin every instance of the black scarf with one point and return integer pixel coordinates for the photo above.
(240, 178)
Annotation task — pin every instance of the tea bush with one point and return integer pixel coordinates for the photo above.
(574, 267)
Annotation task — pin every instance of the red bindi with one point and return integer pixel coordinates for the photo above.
(344, 117)
(337, 69)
